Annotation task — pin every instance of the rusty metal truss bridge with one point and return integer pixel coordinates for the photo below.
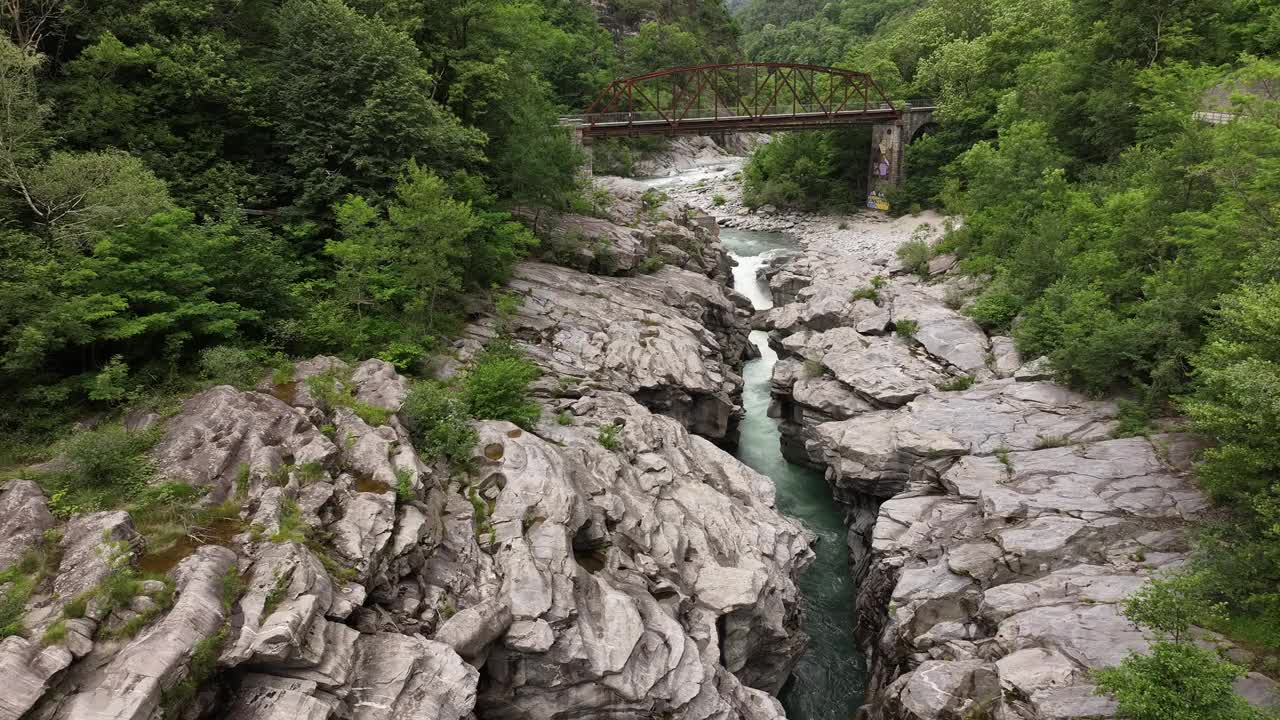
(738, 97)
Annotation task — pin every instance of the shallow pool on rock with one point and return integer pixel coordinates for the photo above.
(830, 679)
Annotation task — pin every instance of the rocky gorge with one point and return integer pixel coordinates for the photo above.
(614, 559)
(997, 520)
(648, 574)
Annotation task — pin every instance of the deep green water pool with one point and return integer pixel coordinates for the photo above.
(831, 677)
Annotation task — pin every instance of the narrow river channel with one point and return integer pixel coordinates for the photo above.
(830, 679)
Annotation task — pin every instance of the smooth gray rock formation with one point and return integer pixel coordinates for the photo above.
(945, 690)
(1035, 371)
(131, 685)
(27, 667)
(378, 384)
(632, 231)
(875, 453)
(1005, 358)
(266, 697)
(92, 546)
(223, 429)
(286, 590)
(631, 558)
(24, 518)
(884, 370)
(672, 339)
(1009, 533)
(400, 677)
(945, 334)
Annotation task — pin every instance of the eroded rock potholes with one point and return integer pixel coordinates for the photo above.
(652, 578)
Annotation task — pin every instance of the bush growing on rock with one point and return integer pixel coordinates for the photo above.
(915, 254)
(497, 387)
(651, 264)
(995, 308)
(1177, 681)
(608, 436)
(439, 422)
(102, 469)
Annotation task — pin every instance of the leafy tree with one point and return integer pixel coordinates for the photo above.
(22, 114)
(351, 101)
(1177, 681)
(75, 197)
(399, 269)
(810, 170)
(1172, 605)
(660, 45)
(140, 293)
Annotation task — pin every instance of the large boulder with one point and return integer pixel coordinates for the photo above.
(620, 564)
(994, 575)
(223, 433)
(672, 339)
(944, 333)
(131, 686)
(24, 518)
(875, 453)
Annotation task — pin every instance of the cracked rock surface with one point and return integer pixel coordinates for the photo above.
(360, 581)
(673, 339)
(996, 524)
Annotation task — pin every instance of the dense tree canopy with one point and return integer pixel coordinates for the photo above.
(281, 176)
(1136, 246)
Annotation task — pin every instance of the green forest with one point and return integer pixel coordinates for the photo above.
(279, 178)
(1136, 246)
(196, 189)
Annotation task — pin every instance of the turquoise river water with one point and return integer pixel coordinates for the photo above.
(830, 679)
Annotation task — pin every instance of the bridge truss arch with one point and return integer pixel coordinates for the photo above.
(738, 97)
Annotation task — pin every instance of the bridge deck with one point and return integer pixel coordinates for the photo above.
(699, 122)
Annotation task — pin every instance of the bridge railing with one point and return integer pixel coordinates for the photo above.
(1214, 117)
(725, 112)
(722, 113)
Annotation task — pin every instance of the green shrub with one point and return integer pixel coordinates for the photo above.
(1134, 419)
(373, 415)
(650, 202)
(995, 308)
(866, 293)
(105, 468)
(228, 365)
(404, 355)
(718, 200)
(404, 485)
(906, 327)
(15, 590)
(439, 422)
(608, 436)
(915, 255)
(651, 264)
(1177, 681)
(565, 418)
(496, 387)
(291, 527)
(1171, 606)
(964, 382)
(111, 384)
(110, 455)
